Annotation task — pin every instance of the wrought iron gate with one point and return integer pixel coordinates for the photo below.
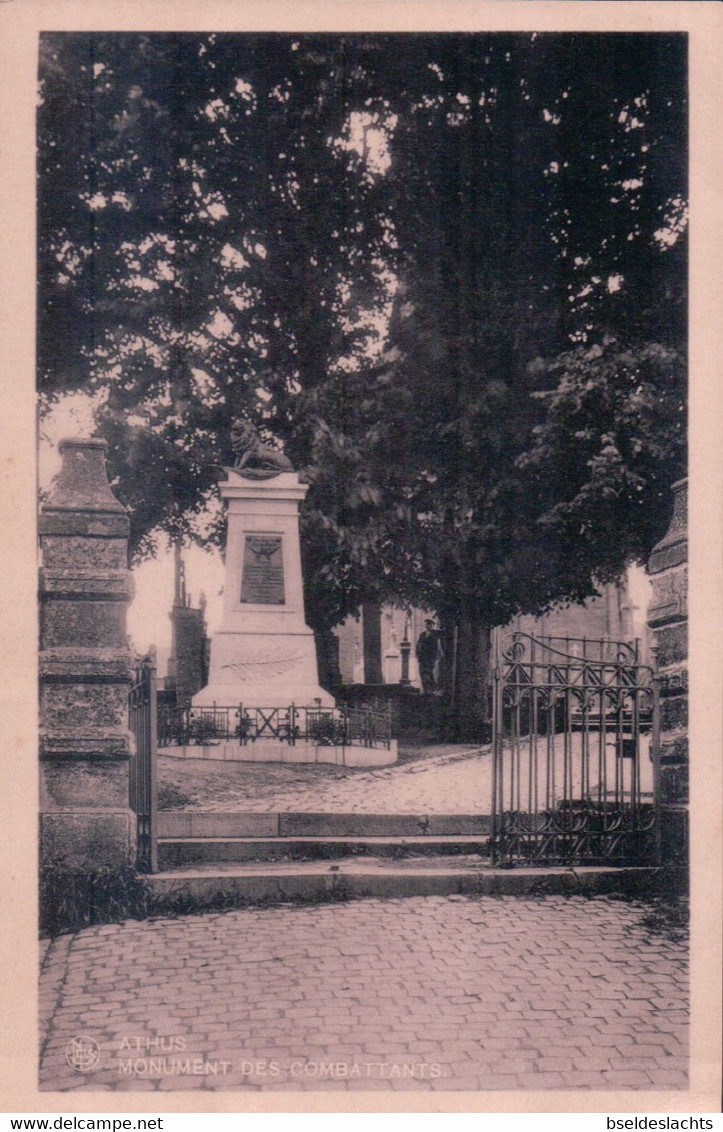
(575, 753)
(143, 783)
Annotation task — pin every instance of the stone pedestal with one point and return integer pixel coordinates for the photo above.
(85, 665)
(668, 618)
(263, 654)
(392, 666)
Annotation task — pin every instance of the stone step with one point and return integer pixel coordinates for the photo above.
(183, 824)
(194, 888)
(173, 852)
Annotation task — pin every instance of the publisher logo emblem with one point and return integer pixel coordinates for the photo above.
(82, 1054)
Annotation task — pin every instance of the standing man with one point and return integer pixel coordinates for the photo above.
(428, 653)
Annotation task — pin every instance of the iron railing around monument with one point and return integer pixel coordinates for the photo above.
(575, 753)
(327, 727)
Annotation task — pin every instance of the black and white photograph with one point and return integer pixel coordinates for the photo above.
(362, 372)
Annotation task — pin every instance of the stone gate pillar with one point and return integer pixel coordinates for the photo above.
(85, 665)
(668, 618)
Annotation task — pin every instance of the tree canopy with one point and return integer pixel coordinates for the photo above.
(539, 336)
(446, 271)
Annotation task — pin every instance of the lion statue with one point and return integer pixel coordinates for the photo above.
(253, 458)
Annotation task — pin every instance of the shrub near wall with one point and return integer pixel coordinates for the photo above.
(74, 897)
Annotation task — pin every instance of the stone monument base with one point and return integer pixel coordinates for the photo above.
(271, 751)
(263, 670)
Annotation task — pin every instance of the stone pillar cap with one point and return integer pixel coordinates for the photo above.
(82, 442)
(672, 550)
(82, 482)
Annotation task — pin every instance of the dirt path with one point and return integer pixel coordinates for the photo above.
(442, 779)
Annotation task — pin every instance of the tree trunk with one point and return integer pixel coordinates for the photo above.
(467, 662)
(327, 660)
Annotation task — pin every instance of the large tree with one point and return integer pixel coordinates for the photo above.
(208, 245)
(224, 220)
(532, 395)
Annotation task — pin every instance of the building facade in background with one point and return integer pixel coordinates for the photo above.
(377, 646)
(371, 644)
(183, 670)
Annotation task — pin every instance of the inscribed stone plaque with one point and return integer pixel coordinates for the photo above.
(262, 581)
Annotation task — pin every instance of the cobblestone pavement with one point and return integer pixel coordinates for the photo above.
(429, 993)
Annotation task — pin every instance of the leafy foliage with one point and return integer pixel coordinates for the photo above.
(72, 897)
(614, 431)
(447, 272)
(536, 255)
(207, 182)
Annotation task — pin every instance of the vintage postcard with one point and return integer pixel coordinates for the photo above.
(361, 431)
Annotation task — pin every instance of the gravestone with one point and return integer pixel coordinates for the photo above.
(85, 665)
(263, 654)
